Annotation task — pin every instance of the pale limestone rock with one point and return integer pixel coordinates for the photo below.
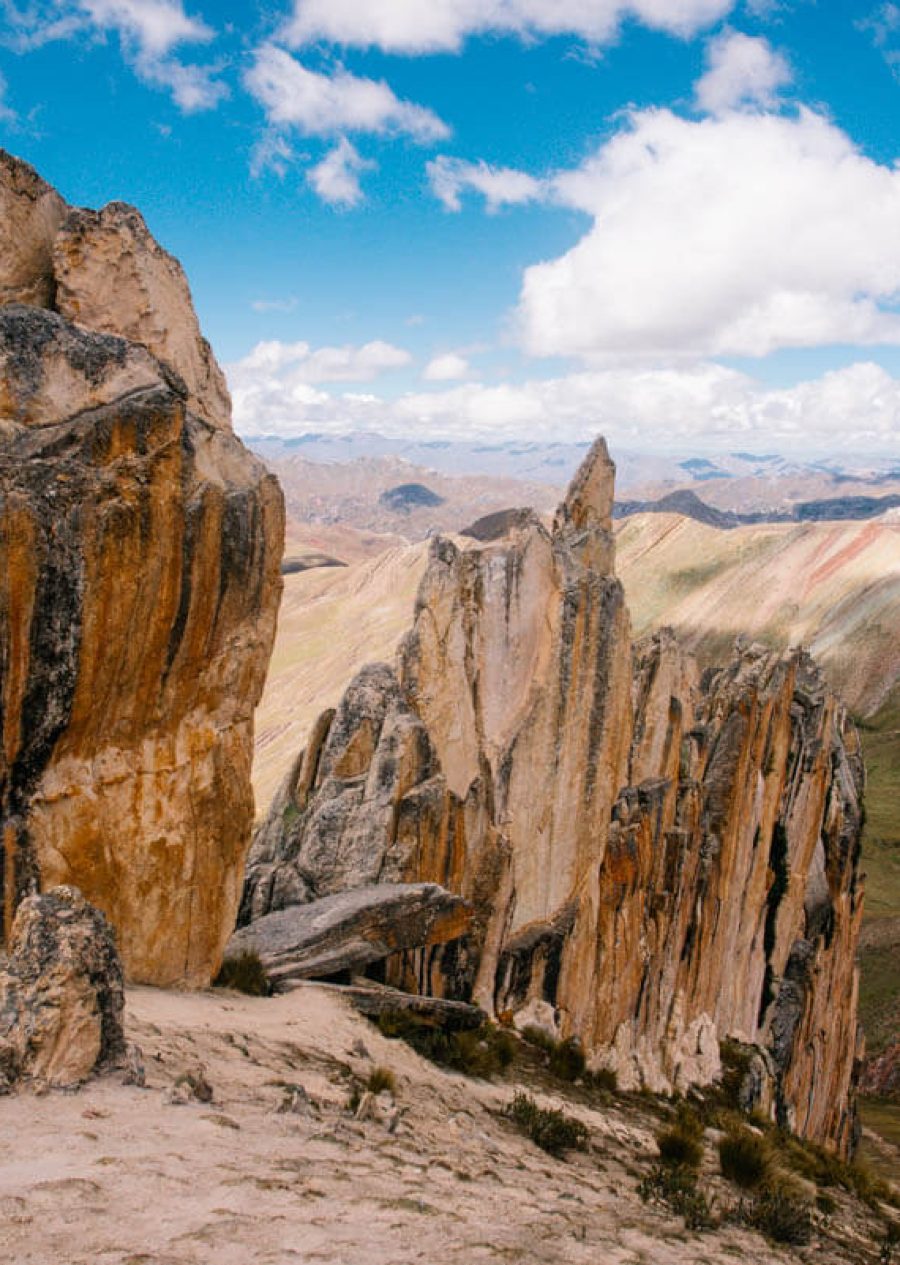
(113, 277)
(30, 215)
(61, 994)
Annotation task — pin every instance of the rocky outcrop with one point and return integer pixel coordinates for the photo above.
(341, 934)
(139, 581)
(61, 993)
(656, 860)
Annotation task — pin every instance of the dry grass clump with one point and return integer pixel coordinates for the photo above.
(551, 1130)
(481, 1053)
(745, 1158)
(381, 1079)
(681, 1144)
(244, 973)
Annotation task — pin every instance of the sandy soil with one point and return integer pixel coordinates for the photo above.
(116, 1175)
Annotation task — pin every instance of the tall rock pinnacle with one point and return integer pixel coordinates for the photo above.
(139, 582)
(657, 860)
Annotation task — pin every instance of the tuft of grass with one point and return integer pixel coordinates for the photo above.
(244, 973)
(681, 1144)
(781, 1217)
(605, 1079)
(381, 1079)
(551, 1130)
(676, 1188)
(826, 1169)
(744, 1158)
(481, 1053)
(567, 1061)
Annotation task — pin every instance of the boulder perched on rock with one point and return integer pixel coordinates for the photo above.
(656, 859)
(140, 546)
(61, 993)
(341, 934)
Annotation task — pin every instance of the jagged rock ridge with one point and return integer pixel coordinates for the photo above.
(139, 581)
(656, 860)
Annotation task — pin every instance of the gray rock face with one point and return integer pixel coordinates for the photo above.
(345, 932)
(351, 810)
(61, 994)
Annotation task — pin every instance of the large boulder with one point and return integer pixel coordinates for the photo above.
(140, 546)
(61, 993)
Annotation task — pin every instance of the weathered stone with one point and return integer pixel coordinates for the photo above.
(113, 277)
(30, 215)
(656, 860)
(374, 1000)
(139, 582)
(345, 932)
(61, 993)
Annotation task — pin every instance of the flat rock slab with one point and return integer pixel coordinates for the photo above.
(351, 929)
(372, 1000)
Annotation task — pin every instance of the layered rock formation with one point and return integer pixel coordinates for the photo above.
(61, 993)
(656, 861)
(139, 581)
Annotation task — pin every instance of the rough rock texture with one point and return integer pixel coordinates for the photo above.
(139, 582)
(112, 276)
(345, 932)
(881, 1073)
(61, 993)
(30, 215)
(656, 860)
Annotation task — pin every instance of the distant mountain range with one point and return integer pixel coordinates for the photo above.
(827, 509)
(554, 462)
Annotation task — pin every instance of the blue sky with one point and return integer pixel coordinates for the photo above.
(673, 221)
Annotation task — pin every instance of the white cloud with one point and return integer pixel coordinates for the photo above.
(742, 70)
(706, 407)
(327, 105)
(430, 26)
(148, 31)
(157, 26)
(274, 305)
(500, 186)
(336, 178)
(7, 113)
(446, 368)
(737, 234)
(193, 88)
(276, 372)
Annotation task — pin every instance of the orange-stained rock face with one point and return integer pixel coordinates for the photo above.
(657, 860)
(139, 558)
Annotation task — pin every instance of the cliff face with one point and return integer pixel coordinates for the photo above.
(657, 861)
(139, 554)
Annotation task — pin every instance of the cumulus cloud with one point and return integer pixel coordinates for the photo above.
(284, 364)
(148, 30)
(157, 26)
(500, 186)
(446, 368)
(735, 234)
(328, 105)
(431, 26)
(336, 178)
(741, 70)
(707, 406)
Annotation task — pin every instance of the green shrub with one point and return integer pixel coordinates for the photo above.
(744, 1158)
(551, 1130)
(380, 1079)
(482, 1052)
(245, 974)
